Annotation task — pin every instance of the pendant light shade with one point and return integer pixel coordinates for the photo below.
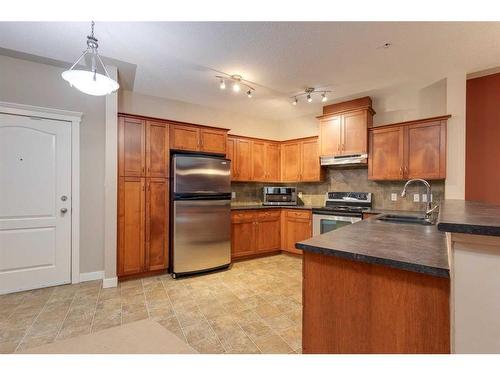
(89, 81)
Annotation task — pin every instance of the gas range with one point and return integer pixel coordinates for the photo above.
(341, 208)
(346, 202)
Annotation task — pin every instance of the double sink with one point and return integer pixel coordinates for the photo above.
(405, 219)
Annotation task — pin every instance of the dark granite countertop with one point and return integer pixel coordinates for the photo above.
(461, 216)
(262, 207)
(411, 247)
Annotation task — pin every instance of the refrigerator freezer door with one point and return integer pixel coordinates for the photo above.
(201, 175)
(202, 235)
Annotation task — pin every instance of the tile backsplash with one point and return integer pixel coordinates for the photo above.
(352, 179)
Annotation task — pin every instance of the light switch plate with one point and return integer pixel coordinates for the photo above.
(299, 194)
(233, 194)
(416, 198)
(424, 197)
(394, 197)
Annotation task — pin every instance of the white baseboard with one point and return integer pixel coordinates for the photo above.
(111, 282)
(89, 276)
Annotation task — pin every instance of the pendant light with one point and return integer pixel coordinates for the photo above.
(89, 81)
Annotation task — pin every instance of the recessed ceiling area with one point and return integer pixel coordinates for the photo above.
(179, 60)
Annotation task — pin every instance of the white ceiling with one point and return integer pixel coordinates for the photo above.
(179, 60)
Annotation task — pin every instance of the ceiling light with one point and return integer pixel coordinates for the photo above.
(309, 92)
(89, 81)
(237, 83)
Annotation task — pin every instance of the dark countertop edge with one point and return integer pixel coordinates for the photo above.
(484, 230)
(431, 271)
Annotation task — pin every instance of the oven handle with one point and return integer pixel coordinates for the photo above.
(350, 219)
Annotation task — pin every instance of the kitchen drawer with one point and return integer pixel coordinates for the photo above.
(268, 214)
(298, 214)
(243, 215)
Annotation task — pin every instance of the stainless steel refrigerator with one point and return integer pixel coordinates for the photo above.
(201, 214)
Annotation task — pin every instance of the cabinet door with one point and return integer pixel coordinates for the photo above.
(231, 155)
(273, 159)
(310, 168)
(425, 151)
(290, 162)
(131, 217)
(297, 227)
(354, 133)
(330, 136)
(157, 216)
(242, 233)
(213, 140)
(184, 137)
(131, 147)
(268, 231)
(386, 158)
(157, 149)
(259, 172)
(243, 160)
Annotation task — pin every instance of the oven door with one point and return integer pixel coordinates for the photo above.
(327, 223)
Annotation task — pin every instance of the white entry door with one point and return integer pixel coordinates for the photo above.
(35, 203)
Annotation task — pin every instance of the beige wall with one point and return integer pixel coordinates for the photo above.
(134, 103)
(41, 85)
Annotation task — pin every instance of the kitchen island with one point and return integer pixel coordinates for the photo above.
(376, 287)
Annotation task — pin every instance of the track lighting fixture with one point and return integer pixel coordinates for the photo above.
(237, 83)
(308, 93)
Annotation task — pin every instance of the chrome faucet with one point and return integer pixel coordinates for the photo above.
(429, 209)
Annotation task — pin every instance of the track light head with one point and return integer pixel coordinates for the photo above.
(222, 84)
(249, 93)
(323, 97)
(236, 87)
(309, 99)
(295, 101)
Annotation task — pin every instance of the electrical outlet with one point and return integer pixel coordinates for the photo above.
(424, 197)
(233, 194)
(416, 198)
(394, 197)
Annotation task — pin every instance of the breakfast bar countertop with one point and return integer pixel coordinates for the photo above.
(470, 217)
(411, 247)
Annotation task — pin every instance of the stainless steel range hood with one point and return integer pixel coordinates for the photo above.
(345, 160)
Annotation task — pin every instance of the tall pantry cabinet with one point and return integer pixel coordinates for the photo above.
(143, 195)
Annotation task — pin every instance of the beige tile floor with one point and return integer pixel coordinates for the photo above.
(255, 307)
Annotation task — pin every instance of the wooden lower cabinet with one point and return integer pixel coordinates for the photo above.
(296, 227)
(352, 307)
(263, 231)
(142, 225)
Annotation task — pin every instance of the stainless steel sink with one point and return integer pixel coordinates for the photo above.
(405, 219)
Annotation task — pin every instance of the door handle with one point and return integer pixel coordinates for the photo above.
(64, 210)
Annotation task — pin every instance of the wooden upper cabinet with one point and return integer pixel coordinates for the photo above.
(386, 158)
(184, 137)
(231, 154)
(273, 159)
(354, 132)
(157, 149)
(213, 140)
(343, 127)
(414, 149)
(243, 158)
(330, 136)
(259, 171)
(157, 216)
(310, 169)
(425, 151)
(290, 161)
(131, 222)
(131, 147)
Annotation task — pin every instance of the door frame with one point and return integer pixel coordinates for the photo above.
(73, 119)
